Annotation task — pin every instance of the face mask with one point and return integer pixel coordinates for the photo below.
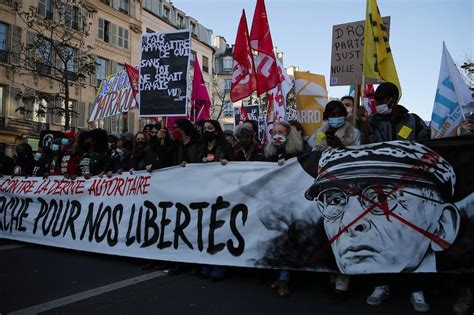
(336, 122)
(209, 135)
(37, 156)
(278, 140)
(383, 109)
(55, 147)
(176, 135)
(64, 141)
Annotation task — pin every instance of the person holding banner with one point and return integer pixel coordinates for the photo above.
(250, 149)
(284, 145)
(336, 131)
(23, 160)
(214, 147)
(186, 144)
(392, 121)
(94, 161)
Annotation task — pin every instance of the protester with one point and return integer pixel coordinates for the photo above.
(125, 151)
(94, 160)
(232, 140)
(392, 121)
(285, 144)
(348, 102)
(70, 156)
(6, 162)
(250, 149)
(44, 162)
(186, 146)
(138, 160)
(336, 131)
(23, 161)
(214, 148)
(299, 128)
(147, 129)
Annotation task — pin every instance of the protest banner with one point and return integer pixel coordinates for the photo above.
(253, 112)
(114, 96)
(164, 73)
(311, 98)
(347, 53)
(410, 208)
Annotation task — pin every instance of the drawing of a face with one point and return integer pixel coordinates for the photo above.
(384, 208)
(382, 238)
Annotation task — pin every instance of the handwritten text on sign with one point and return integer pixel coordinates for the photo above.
(164, 73)
(347, 53)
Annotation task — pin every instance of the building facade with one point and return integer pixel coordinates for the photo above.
(115, 28)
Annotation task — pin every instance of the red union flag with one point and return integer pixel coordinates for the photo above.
(244, 82)
(261, 41)
(200, 97)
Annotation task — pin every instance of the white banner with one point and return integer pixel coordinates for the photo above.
(386, 207)
(203, 213)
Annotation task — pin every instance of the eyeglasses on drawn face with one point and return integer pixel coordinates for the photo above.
(332, 202)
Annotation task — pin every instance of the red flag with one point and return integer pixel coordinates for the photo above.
(133, 78)
(244, 81)
(261, 41)
(243, 114)
(201, 103)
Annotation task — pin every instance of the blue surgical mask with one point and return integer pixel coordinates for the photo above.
(55, 147)
(37, 156)
(64, 141)
(336, 122)
(383, 109)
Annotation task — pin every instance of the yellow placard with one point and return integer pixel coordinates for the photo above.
(405, 132)
(311, 98)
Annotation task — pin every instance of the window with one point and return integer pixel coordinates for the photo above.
(228, 109)
(193, 27)
(193, 57)
(72, 16)
(228, 63)
(205, 64)
(104, 29)
(123, 7)
(107, 2)
(101, 70)
(43, 56)
(45, 8)
(227, 84)
(120, 67)
(180, 20)
(123, 37)
(166, 12)
(3, 42)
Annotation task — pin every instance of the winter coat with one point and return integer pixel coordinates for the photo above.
(407, 126)
(347, 134)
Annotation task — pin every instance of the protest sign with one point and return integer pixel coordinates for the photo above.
(253, 112)
(403, 196)
(164, 73)
(347, 53)
(47, 137)
(115, 96)
(311, 98)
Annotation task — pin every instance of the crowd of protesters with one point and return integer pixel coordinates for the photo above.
(94, 152)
